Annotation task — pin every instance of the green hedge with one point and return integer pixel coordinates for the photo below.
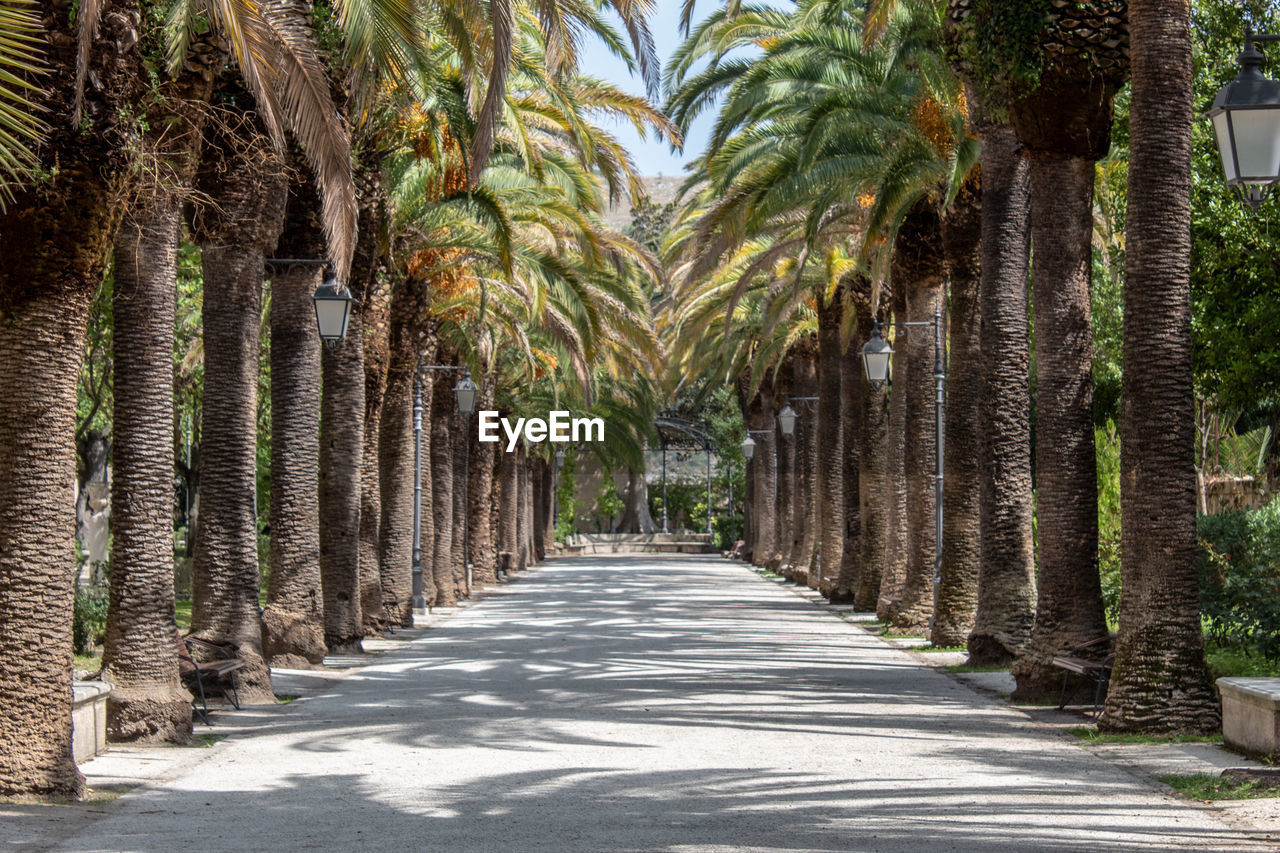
(1240, 578)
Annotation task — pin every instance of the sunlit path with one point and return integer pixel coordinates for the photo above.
(651, 704)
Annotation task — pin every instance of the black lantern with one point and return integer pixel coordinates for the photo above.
(466, 392)
(748, 447)
(333, 308)
(875, 356)
(787, 419)
(1246, 121)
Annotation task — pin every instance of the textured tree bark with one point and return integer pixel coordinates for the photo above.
(918, 254)
(409, 340)
(247, 188)
(1160, 681)
(461, 483)
(1006, 580)
(293, 619)
(342, 411)
(1069, 602)
(483, 486)
(804, 383)
(147, 701)
(508, 509)
(852, 382)
(961, 514)
(764, 497)
(536, 471)
(523, 558)
(550, 476)
(873, 478)
(375, 320)
(894, 559)
(438, 552)
(829, 444)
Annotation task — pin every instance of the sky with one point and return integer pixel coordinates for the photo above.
(652, 157)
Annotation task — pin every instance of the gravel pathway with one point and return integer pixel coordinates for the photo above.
(650, 703)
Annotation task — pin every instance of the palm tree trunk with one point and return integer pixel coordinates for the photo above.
(786, 501)
(508, 510)
(1006, 580)
(293, 619)
(549, 477)
(536, 477)
(408, 341)
(894, 559)
(918, 253)
(484, 552)
(57, 233)
(1069, 603)
(962, 527)
(342, 410)
(829, 449)
(1160, 682)
(375, 320)
(461, 484)
(852, 379)
(803, 527)
(523, 558)
(439, 549)
(873, 475)
(147, 701)
(247, 189)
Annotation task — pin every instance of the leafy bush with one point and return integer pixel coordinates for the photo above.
(89, 619)
(1240, 578)
(727, 530)
(1107, 449)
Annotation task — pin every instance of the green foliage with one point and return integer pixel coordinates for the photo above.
(727, 529)
(1001, 46)
(88, 619)
(1240, 578)
(1107, 449)
(566, 496)
(608, 504)
(1231, 661)
(1206, 786)
(1090, 734)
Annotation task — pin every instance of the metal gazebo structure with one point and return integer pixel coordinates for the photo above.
(681, 434)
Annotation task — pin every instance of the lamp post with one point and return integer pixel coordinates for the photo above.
(465, 393)
(749, 451)
(875, 359)
(1246, 122)
(332, 300)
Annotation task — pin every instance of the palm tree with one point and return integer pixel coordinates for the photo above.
(375, 323)
(803, 527)
(235, 232)
(893, 571)
(1065, 126)
(829, 486)
(481, 491)
(439, 549)
(962, 522)
(1160, 682)
(293, 619)
(1006, 579)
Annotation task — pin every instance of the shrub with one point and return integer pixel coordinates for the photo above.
(88, 619)
(1107, 449)
(727, 530)
(1240, 578)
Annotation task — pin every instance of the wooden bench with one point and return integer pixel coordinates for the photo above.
(220, 670)
(1097, 670)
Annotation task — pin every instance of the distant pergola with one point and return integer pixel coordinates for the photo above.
(682, 434)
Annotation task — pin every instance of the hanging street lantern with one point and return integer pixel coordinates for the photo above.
(875, 356)
(333, 308)
(1246, 122)
(466, 392)
(748, 447)
(787, 419)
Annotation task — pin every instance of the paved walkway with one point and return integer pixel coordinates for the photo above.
(645, 704)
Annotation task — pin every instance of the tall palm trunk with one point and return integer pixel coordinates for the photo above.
(508, 509)
(375, 316)
(247, 188)
(147, 701)
(1160, 682)
(409, 339)
(439, 549)
(56, 235)
(829, 443)
(918, 254)
(852, 380)
(873, 475)
(894, 559)
(1069, 602)
(549, 477)
(536, 470)
(962, 517)
(461, 484)
(1006, 580)
(803, 529)
(786, 500)
(523, 557)
(293, 619)
(482, 541)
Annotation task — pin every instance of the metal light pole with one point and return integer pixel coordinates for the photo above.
(708, 490)
(664, 487)
(875, 357)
